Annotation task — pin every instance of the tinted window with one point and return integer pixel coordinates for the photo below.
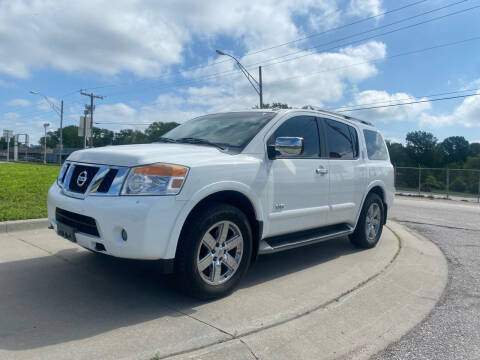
(376, 148)
(304, 127)
(230, 129)
(342, 140)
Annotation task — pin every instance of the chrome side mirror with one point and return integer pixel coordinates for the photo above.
(289, 146)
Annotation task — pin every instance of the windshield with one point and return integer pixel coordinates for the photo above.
(227, 129)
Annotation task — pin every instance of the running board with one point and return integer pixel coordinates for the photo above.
(301, 238)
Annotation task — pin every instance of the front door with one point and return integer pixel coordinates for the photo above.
(299, 184)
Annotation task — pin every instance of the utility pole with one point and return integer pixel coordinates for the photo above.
(45, 142)
(260, 86)
(91, 96)
(257, 85)
(85, 113)
(60, 113)
(61, 135)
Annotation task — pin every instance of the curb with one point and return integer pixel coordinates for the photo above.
(23, 225)
(358, 324)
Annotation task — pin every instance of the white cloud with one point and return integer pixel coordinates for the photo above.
(365, 8)
(467, 114)
(326, 16)
(18, 102)
(314, 79)
(374, 98)
(141, 37)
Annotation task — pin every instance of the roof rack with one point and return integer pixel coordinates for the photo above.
(346, 117)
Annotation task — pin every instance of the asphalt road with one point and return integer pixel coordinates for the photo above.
(452, 330)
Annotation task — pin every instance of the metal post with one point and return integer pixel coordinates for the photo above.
(45, 148)
(448, 181)
(419, 178)
(478, 196)
(260, 86)
(8, 148)
(15, 148)
(61, 134)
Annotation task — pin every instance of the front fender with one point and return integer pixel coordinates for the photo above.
(204, 193)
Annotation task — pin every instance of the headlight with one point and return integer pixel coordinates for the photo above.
(155, 179)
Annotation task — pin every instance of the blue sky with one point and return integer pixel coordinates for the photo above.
(155, 61)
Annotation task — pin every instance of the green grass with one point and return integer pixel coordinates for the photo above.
(23, 190)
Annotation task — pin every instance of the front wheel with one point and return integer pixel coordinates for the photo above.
(370, 223)
(214, 251)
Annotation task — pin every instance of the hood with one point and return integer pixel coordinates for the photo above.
(141, 154)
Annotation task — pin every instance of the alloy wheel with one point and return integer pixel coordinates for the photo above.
(372, 221)
(220, 253)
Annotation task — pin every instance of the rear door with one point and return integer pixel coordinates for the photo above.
(299, 184)
(347, 171)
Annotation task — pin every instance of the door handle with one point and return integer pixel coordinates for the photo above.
(321, 170)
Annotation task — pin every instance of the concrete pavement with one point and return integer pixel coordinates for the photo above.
(452, 329)
(327, 300)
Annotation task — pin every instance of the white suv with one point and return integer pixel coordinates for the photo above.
(218, 190)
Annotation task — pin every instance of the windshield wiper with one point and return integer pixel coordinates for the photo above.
(192, 140)
(166, 140)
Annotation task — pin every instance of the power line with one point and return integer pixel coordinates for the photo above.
(353, 107)
(191, 82)
(413, 52)
(334, 29)
(340, 111)
(251, 66)
(363, 39)
(411, 102)
(254, 52)
(122, 123)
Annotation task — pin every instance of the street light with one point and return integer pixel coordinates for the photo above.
(60, 113)
(257, 85)
(46, 125)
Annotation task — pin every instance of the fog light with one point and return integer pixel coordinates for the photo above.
(124, 235)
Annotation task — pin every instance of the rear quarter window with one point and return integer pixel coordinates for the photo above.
(376, 149)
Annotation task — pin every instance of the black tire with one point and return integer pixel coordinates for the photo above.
(359, 237)
(189, 278)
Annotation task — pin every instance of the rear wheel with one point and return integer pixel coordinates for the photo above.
(214, 251)
(370, 223)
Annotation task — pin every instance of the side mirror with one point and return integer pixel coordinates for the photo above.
(288, 146)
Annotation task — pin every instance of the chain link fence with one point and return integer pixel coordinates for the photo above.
(36, 154)
(460, 184)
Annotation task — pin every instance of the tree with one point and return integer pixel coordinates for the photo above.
(102, 137)
(130, 136)
(52, 140)
(474, 149)
(473, 162)
(455, 149)
(157, 129)
(398, 154)
(276, 105)
(421, 147)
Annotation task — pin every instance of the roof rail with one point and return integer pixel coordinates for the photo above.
(346, 117)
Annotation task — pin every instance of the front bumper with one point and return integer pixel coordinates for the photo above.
(148, 220)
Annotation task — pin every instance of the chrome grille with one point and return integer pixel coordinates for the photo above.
(102, 180)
